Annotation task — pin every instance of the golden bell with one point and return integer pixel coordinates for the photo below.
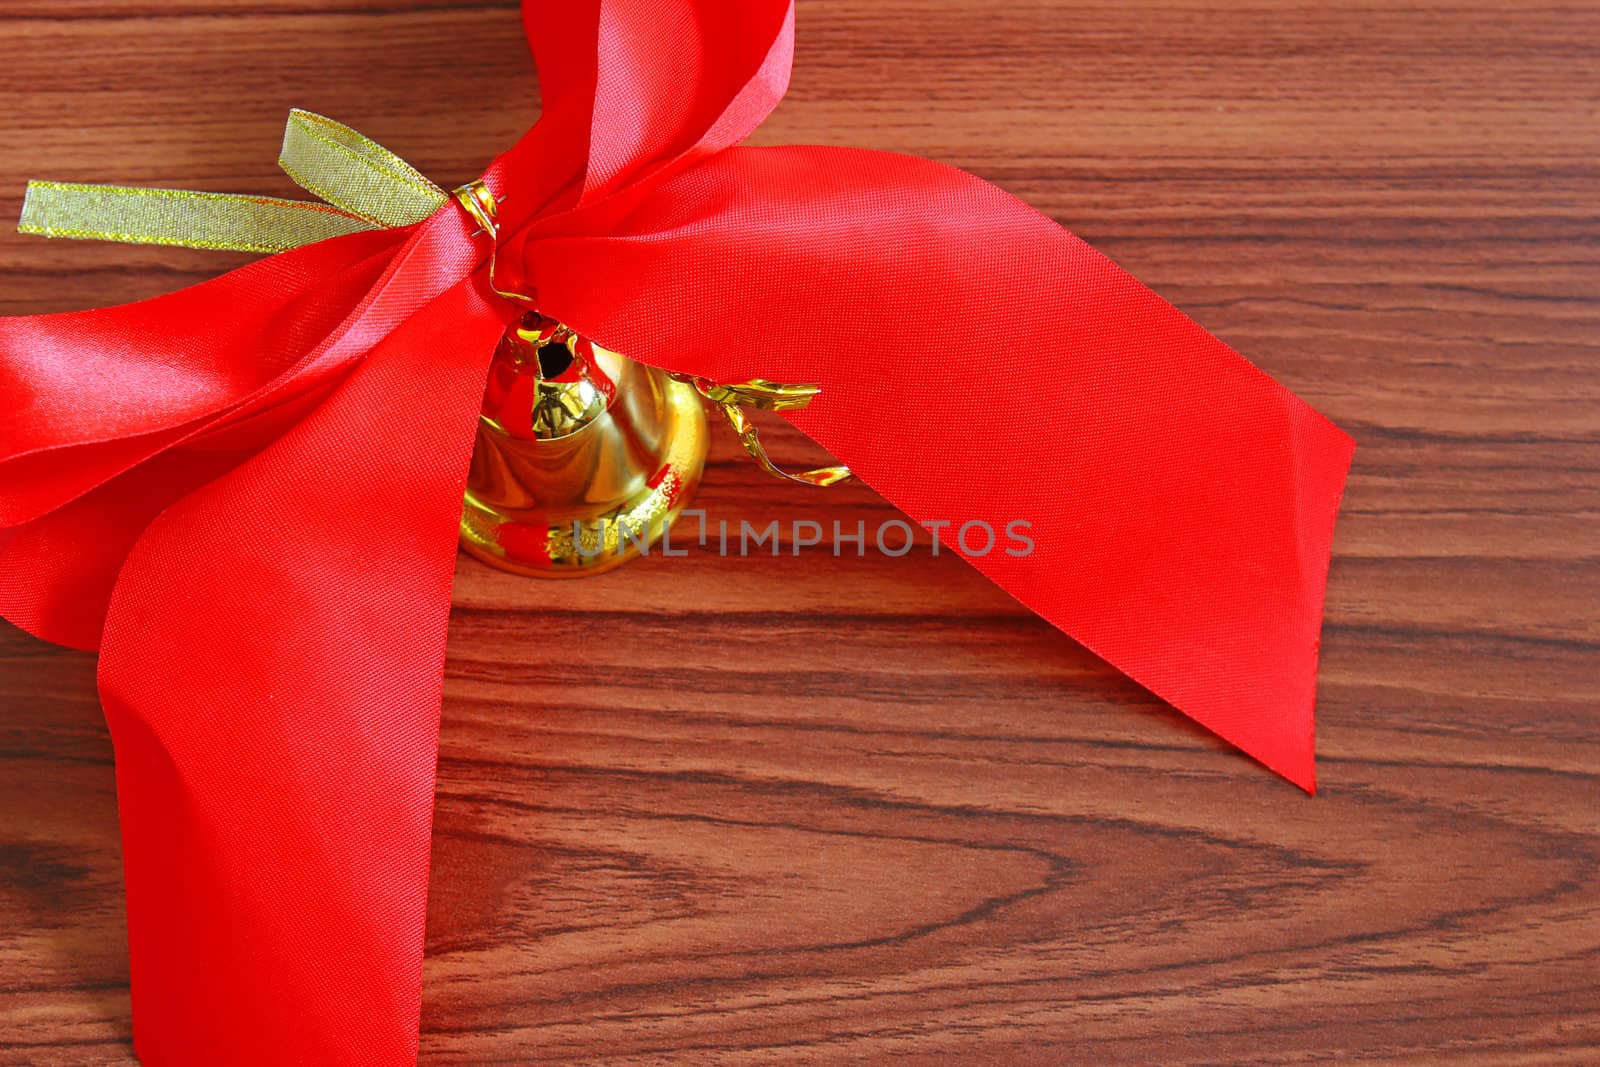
(583, 457)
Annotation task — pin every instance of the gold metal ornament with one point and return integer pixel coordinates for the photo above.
(763, 395)
(583, 457)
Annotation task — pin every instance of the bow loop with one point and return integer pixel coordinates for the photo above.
(634, 91)
(354, 173)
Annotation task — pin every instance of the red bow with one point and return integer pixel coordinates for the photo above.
(246, 494)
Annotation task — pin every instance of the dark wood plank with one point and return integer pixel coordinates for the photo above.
(807, 808)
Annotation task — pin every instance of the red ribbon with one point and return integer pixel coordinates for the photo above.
(246, 494)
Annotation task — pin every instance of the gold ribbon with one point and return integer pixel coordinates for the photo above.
(362, 186)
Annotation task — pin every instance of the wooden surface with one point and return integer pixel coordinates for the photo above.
(775, 810)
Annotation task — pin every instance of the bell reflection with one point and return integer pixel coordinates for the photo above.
(582, 455)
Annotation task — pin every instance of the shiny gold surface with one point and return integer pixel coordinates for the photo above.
(750, 438)
(481, 205)
(732, 399)
(547, 382)
(757, 393)
(583, 457)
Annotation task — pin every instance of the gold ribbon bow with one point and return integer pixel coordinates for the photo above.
(362, 186)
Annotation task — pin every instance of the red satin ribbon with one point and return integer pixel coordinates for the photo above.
(246, 494)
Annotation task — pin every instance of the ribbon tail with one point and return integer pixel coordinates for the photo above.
(981, 365)
(182, 218)
(271, 675)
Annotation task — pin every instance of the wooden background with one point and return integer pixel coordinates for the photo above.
(813, 808)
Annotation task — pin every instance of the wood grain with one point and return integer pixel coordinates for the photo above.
(817, 809)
